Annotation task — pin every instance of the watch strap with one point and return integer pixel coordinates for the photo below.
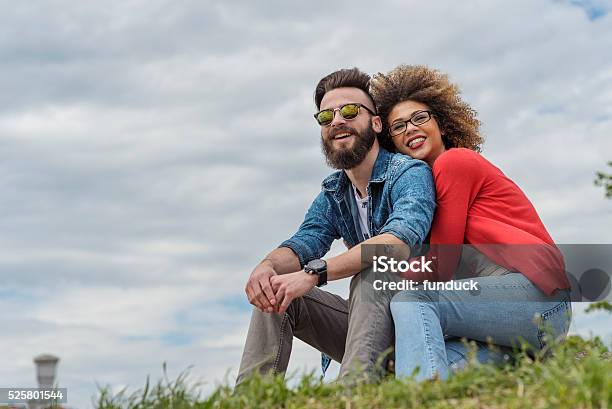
(320, 272)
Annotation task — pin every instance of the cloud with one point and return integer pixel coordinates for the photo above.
(152, 152)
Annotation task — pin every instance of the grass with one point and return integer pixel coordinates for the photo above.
(576, 374)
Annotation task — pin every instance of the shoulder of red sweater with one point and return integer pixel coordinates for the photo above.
(459, 153)
(465, 158)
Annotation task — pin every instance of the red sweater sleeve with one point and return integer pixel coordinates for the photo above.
(459, 175)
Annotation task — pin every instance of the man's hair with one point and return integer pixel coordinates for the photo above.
(456, 119)
(348, 77)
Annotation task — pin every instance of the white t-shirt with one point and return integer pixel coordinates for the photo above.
(362, 206)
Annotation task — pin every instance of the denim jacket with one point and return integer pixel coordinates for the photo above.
(402, 202)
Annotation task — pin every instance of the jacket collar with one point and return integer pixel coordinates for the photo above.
(337, 182)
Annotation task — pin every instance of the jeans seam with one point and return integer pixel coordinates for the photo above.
(427, 340)
(546, 314)
(280, 343)
(373, 357)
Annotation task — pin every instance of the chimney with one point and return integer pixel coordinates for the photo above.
(45, 370)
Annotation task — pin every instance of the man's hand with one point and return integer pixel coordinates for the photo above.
(258, 288)
(288, 287)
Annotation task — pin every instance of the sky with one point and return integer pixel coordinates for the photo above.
(152, 152)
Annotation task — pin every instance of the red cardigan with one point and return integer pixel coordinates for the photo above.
(478, 205)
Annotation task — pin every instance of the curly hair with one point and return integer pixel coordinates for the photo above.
(456, 119)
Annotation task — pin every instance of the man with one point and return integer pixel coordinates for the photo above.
(375, 198)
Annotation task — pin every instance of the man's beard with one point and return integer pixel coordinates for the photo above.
(348, 158)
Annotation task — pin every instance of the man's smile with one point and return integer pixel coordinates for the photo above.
(342, 135)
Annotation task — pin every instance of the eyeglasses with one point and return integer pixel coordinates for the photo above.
(418, 118)
(348, 111)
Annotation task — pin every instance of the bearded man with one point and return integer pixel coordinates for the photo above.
(375, 197)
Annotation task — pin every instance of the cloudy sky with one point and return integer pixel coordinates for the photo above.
(151, 152)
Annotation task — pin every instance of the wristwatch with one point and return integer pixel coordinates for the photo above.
(317, 267)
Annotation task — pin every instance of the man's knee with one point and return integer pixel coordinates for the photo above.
(374, 287)
(418, 295)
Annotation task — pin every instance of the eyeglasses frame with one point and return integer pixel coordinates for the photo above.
(431, 115)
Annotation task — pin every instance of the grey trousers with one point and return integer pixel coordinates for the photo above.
(357, 332)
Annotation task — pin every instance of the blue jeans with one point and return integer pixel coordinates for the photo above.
(506, 310)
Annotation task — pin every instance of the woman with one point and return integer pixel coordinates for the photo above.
(519, 271)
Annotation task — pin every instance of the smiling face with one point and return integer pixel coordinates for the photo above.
(419, 142)
(346, 142)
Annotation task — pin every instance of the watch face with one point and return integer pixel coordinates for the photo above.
(316, 264)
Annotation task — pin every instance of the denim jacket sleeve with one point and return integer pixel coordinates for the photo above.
(413, 200)
(316, 233)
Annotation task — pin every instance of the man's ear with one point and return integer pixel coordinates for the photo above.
(377, 124)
